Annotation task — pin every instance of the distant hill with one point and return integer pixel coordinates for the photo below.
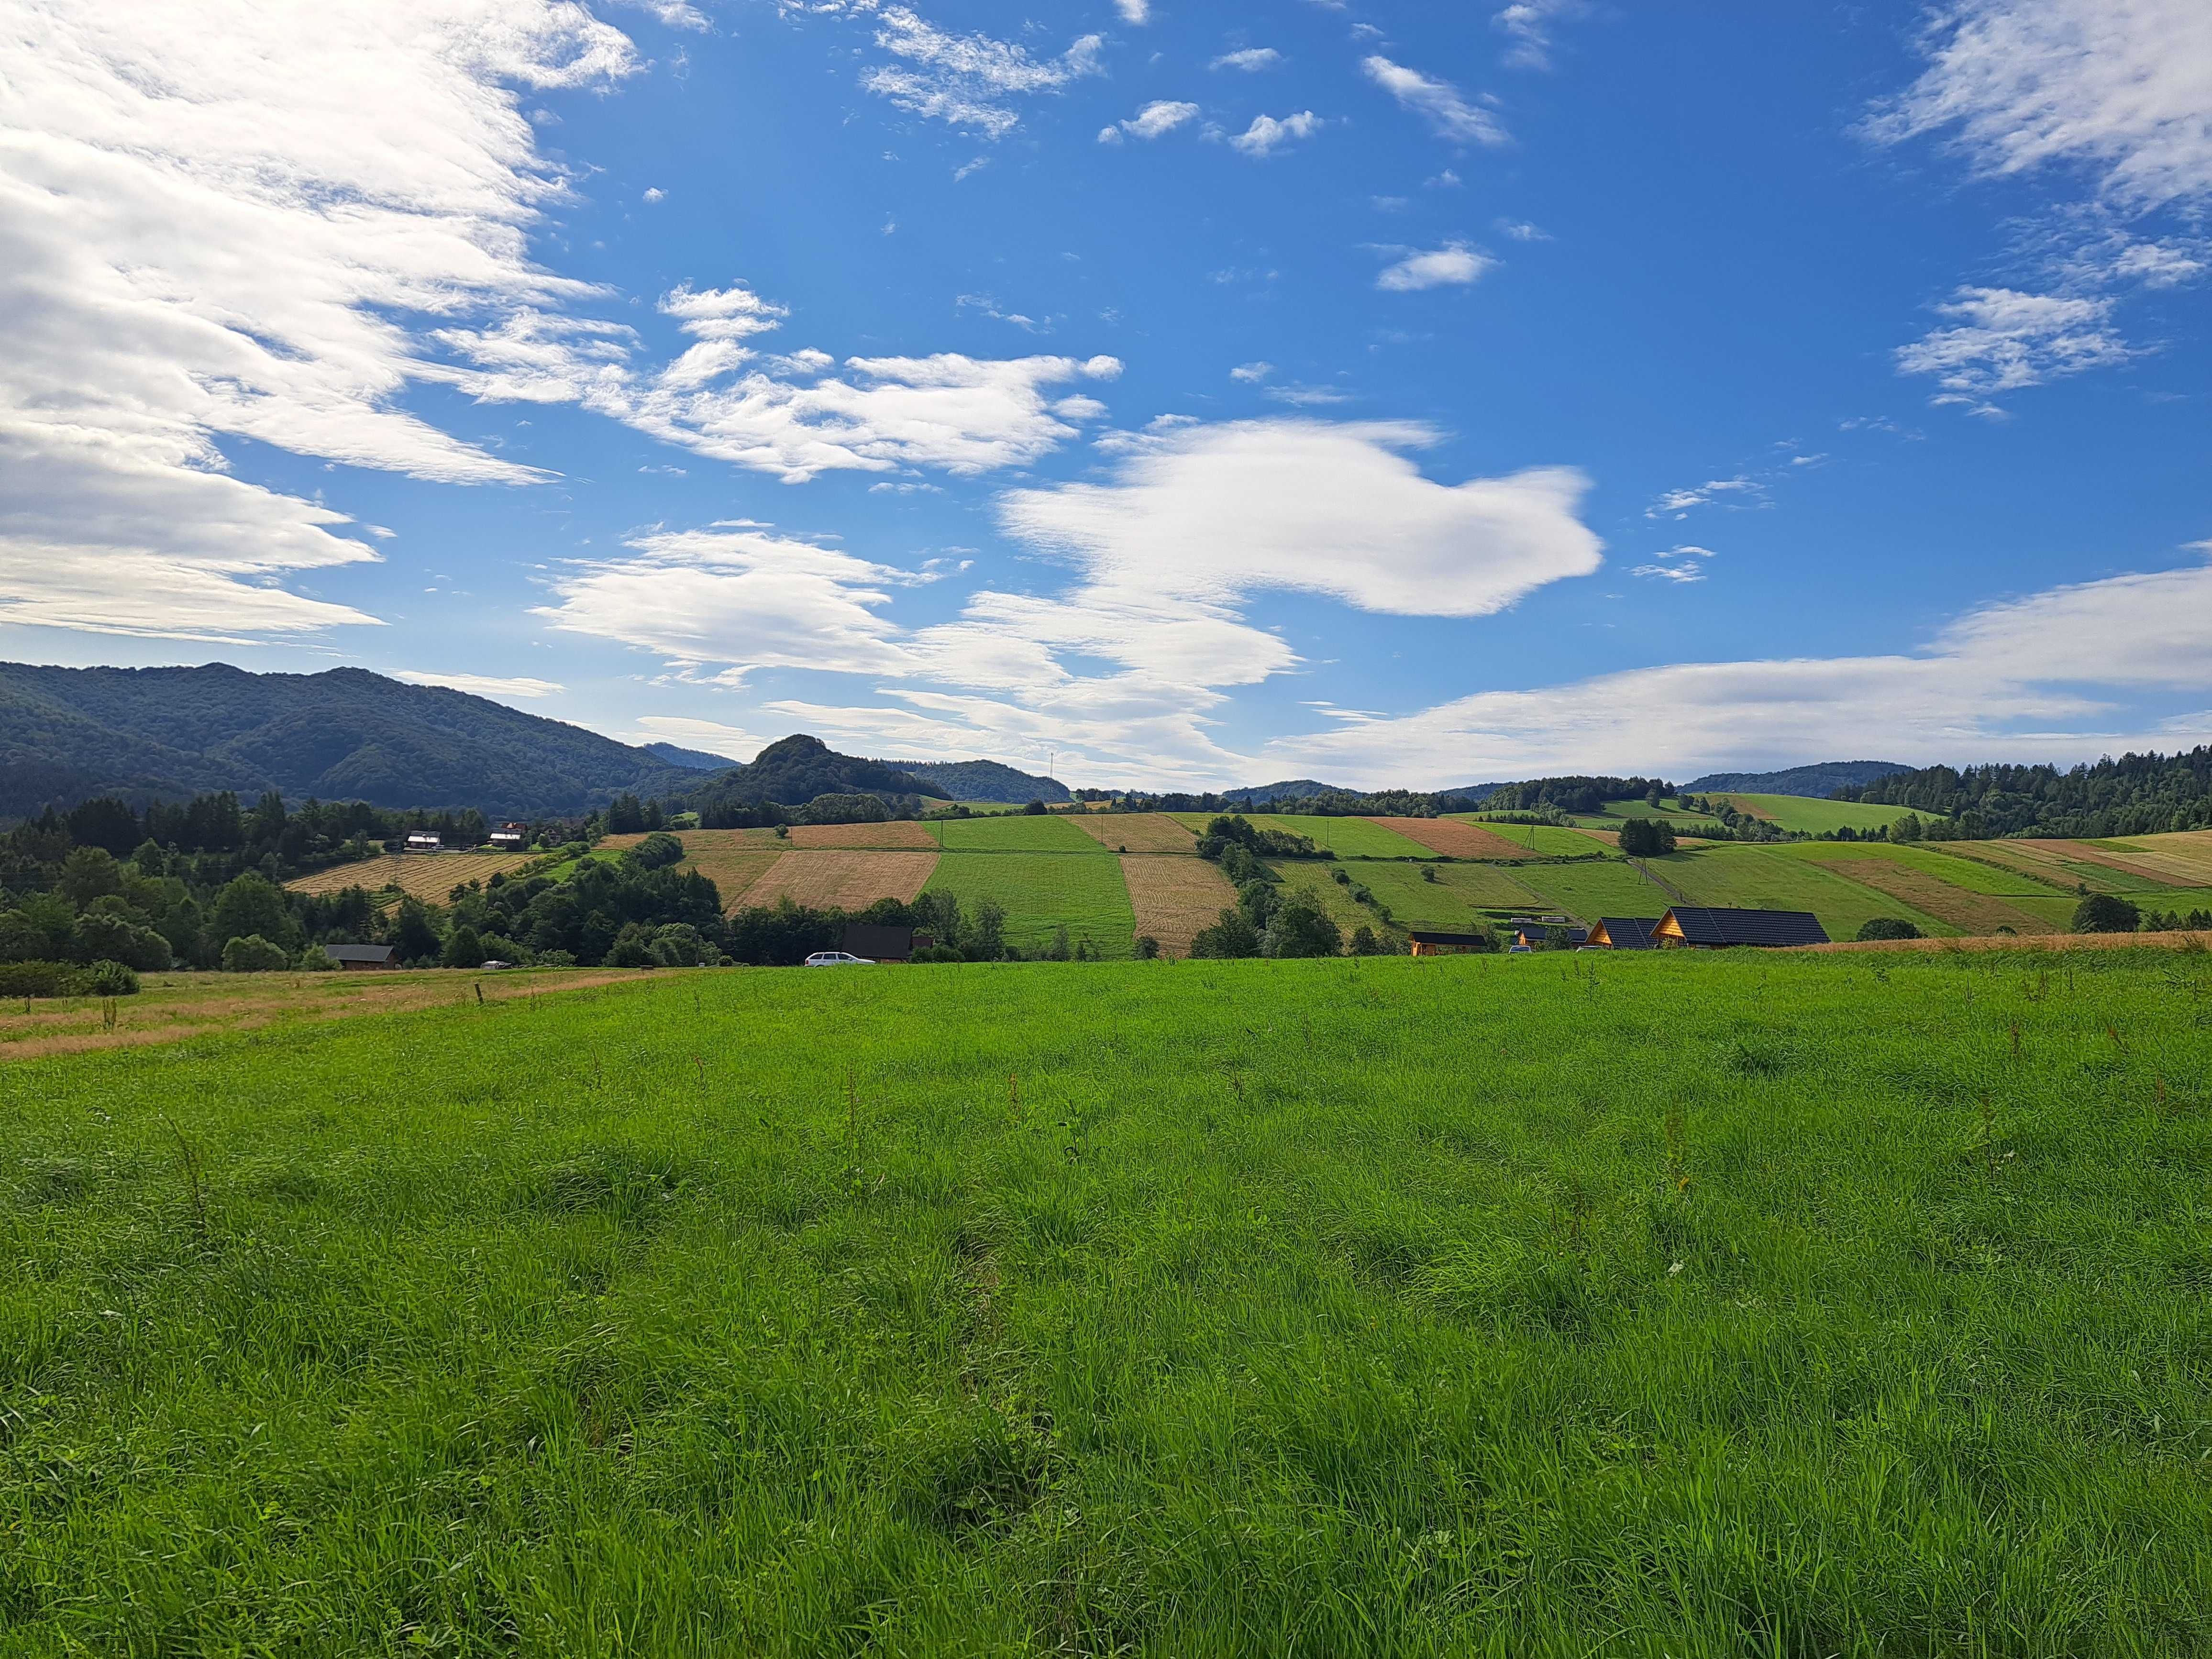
(1290, 789)
(1818, 782)
(71, 734)
(793, 770)
(692, 760)
(983, 780)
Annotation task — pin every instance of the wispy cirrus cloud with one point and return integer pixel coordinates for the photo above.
(1997, 340)
(966, 79)
(1438, 102)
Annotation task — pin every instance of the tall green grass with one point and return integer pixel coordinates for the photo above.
(1013, 832)
(1042, 892)
(1659, 1304)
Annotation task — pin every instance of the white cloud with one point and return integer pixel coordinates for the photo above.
(200, 241)
(1437, 103)
(965, 79)
(1252, 374)
(1454, 263)
(1251, 60)
(1521, 231)
(1135, 12)
(1309, 397)
(2122, 88)
(480, 685)
(1528, 24)
(1267, 134)
(2015, 680)
(1680, 572)
(656, 194)
(1679, 501)
(686, 732)
(737, 596)
(2002, 340)
(1158, 117)
(676, 14)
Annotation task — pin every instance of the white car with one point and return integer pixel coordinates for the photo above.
(837, 959)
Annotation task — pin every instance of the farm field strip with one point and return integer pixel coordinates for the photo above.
(2146, 871)
(1448, 1306)
(733, 872)
(1014, 833)
(1174, 897)
(844, 881)
(2052, 862)
(1810, 816)
(1314, 880)
(1042, 892)
(1137, 832)
(1537, 839)
(181, 1007)
(425, 876)
(1453, 902)
(1587, 892)
(1929, 896)
(2182, 856)
(1954, 868)
(902, 835)
(1461, 840)
(1748, 876)
(1349, 838)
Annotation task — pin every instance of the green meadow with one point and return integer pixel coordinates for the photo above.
(1012, 833)
(1347, 837)
(1667, 1304)
(1043, 892)
(1810, 816)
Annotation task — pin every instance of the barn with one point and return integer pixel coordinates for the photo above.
(357, 957)
(1686, 926)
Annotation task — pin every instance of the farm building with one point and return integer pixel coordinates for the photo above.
(1688, 927)
(355, 958)
(1428, 943)
(1622, 933)
(884, 944)
(1532, 935)
(425, 841)
(511, 837)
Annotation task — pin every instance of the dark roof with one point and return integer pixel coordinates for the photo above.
(1540, 929)
(1629, 933)
(1430, 936)
(358, 952)
(879, 944)
(1704, 927)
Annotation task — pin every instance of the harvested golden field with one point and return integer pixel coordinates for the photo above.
(2162, 866)
(2184, 858)
(177, 1007)
(701, 841)
(858, 835)
(1969, 911)
(846, 881)
(1174, 897)
(1138, 832)
(2061, 863)
(429, 877)
(733, 872)
(1461, 841)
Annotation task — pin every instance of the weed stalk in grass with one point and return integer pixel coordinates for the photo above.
(107, 1014)
(193, 1192)
(1678, 1142)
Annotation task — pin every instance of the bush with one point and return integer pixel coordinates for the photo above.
(252, 954)
(937, 953)
(41, 979)
(1148, 948)
(1035, 808)
(2105, 913)
(1889, 927)
(1647, 838)
(316, 960)
(464, 948)
(110, 979)
(1232, 936)
(657, 851)
(1364, 942)
(1300, 928)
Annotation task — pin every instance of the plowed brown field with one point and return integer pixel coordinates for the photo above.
(1174, 897)
(848, 881)
(1970, 913)
(1138, 832)
(425, 876)
(1461, 841)
(857, 835)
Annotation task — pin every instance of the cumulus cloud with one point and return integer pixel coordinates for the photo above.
(1437, 103)
(1135, 12)
(1251, 60)
(2000, 340)
(1454, 264)
(1267, 134)
(1252, 374)
(966, 79)
(198, 242)
(482, 685)
(1158, 117)
(2021, 679)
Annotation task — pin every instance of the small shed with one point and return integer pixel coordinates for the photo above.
(1622, 933)
(357, 957)
(1693, 928)
(879, 944)
(425, 841)
(1427, 942)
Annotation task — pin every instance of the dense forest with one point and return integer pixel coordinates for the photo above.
(2134, 795)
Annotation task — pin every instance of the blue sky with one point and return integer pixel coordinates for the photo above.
(1190, 395)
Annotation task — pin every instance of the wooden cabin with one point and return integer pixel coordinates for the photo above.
(1622, 933)
(1427, 942)
(1531, 935)
(1689, 927)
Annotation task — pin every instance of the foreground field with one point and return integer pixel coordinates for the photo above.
(1677, 1304)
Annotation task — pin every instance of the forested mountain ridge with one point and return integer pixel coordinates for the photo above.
(139, 734)
(2134, 795)
(1818, 782)
(983, 780)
